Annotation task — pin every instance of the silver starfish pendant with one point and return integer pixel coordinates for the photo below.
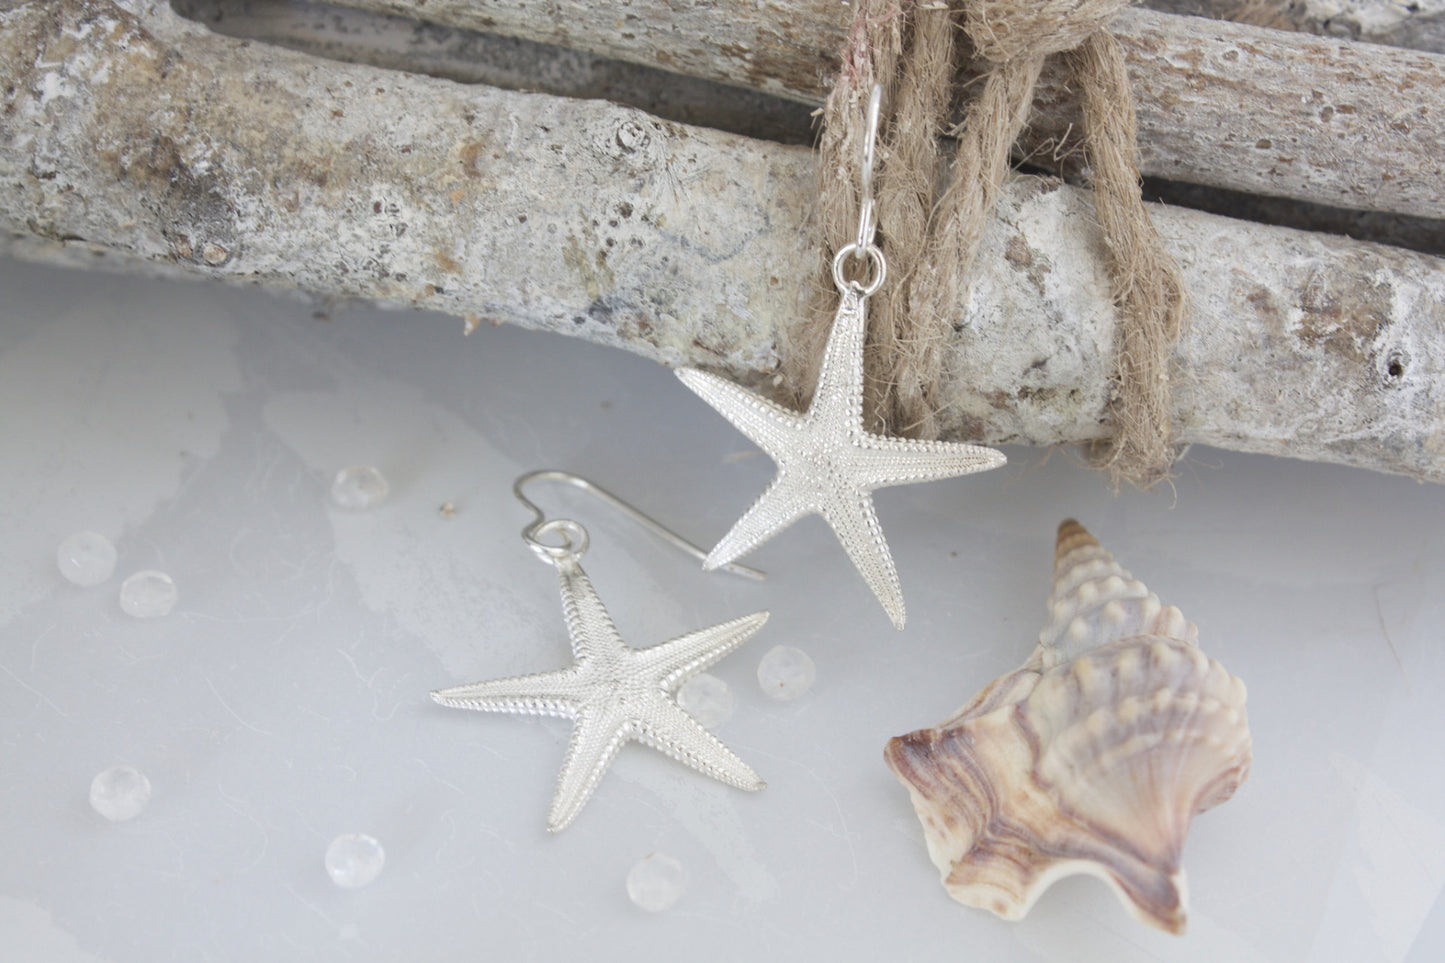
(615, 694)
(828, 463)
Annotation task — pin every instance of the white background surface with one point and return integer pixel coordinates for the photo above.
(285, 700)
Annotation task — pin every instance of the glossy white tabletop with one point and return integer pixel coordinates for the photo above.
(284, 701)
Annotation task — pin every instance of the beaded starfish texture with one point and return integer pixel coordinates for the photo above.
(616, 694)
(828, 463)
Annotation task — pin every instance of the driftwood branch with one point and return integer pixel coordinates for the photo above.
(1221, 104)
(127, 130)
(473, 57)
(1418, 24)
(466, 56)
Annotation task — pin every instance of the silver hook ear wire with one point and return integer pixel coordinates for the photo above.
(574, 536)
(863, 246)
(867, 223)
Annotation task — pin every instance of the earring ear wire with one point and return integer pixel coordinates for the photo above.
(867, 221)
(574, 536)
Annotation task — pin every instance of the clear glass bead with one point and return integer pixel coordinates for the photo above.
(120, 793)
(354, 860)
(86, 558)
(656, 882)
(148, 594)
(786, 673)
(707, 699)
(358, 488)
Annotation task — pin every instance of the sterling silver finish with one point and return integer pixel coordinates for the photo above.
(578, 547)
(614, 693)
(828, 463)
(867, 222)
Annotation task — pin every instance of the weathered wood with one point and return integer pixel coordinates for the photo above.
(1221, 104)
(397, 43)
(1417, 24)
(472, 57)
(127, 130)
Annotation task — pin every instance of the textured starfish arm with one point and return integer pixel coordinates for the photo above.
(856, 524)
(546, 693)
(596, 739)
(677, 660)
(881, 462)
(673, 732)
(776, 508)
(768, 425)
(587, 620)
(839, 394)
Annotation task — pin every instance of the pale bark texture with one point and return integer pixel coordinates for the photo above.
(472, 57)
(360, 36)
(1418, 24)
(129, 131)
(1222, 104)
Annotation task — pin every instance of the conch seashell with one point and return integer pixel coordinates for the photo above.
(1091, 758)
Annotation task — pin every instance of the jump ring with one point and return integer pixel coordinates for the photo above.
(874, 255)
(574, 540)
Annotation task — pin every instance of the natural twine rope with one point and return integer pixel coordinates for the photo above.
(931, 234)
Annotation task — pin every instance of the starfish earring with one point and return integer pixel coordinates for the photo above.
(613, 693)
(828, 463)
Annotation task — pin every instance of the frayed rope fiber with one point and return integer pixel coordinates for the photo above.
(930, 233)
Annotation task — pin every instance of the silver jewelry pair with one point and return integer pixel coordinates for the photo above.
(828, 464)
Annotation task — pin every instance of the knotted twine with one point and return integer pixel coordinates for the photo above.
(930, 239)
